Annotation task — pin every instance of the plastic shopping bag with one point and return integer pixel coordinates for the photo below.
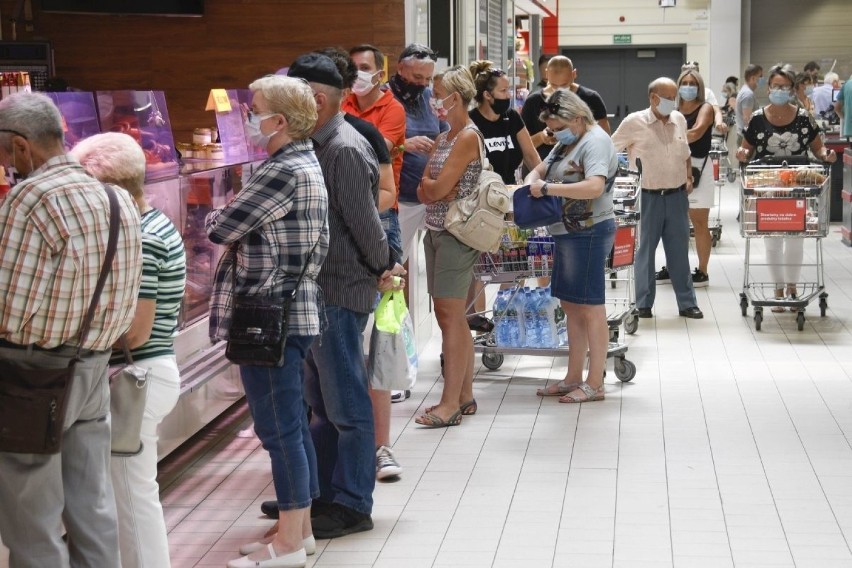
(393, 352)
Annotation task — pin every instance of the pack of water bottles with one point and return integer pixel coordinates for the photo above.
(532, 318)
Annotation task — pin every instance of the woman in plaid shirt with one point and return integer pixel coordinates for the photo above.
(274, 222)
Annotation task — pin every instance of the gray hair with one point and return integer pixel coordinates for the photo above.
(655, 85)
(294, 99)
(33, 116)
(113, 157)
(830, 78)
(566, 105)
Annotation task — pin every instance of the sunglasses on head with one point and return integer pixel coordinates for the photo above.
(494, 72)
(553, 108)
(422, 54)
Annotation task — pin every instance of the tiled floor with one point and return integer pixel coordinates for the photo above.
(731, 447)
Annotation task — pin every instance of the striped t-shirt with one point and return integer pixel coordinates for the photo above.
(163, 280)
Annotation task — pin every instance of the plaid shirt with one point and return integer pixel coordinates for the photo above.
(54, 229)
(275, 221)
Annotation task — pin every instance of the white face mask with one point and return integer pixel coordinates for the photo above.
(252, 129)
(665, 106)
(364, 83)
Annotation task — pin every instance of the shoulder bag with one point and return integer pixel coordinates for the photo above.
(128, 392)
(33, 400)
(477, 219)
(258, 329)
(531, 212)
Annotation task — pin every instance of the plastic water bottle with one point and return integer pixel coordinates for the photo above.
(500, 318)
(544, 320)
(514, 316)
(531, 323)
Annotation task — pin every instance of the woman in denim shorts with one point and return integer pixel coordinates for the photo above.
(584, 166)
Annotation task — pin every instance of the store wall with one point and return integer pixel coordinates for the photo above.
(796, 32)
(233, 44)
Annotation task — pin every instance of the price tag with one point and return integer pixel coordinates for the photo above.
(218, 101)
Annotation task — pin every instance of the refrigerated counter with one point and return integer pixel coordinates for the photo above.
(209, 383)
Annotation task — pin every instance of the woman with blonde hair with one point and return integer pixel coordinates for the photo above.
(451, 173)
(278, 224)
(117, 158)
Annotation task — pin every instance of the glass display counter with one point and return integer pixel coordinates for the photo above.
(209, 383)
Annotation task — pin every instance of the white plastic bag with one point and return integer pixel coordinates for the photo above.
(393, 351)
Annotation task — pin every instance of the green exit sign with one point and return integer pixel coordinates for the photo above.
(622, 39)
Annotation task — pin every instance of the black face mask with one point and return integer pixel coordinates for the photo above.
(500, 106)
(406, 92)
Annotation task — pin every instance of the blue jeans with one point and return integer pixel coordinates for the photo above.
(390, 223)
(666, 218)
(275, 397)
(342, 424)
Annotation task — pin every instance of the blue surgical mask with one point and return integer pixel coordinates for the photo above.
(688, 92)
(779, 96)
(565, 136)
(665, 106)
(252, 129)
(809, 90)
(762, 82)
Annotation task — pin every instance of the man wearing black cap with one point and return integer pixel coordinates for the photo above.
(359, 261)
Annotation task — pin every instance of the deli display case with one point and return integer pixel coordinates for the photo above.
(209, 382)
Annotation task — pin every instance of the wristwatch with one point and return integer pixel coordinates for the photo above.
(544, 189)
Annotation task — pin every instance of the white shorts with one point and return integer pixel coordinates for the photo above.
(703, 196)
(412, 218)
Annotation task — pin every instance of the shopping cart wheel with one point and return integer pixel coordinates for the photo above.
(624, 370)
(631, 324)
(492, 361)
(758, 318)
(800, 320)
(823, 304)
(744, 304)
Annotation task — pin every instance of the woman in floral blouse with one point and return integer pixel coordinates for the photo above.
(783, 129)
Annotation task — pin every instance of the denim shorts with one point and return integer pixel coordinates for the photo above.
(390, 223)
(579, 262)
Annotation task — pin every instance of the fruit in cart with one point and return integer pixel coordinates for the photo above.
(809, 177)
(787, 178)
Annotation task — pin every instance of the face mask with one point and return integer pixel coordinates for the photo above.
(500, 106)
(405, 91)
(364, 83)
(779, 96)
(665, 106)
(762, 82)
(688, 92)
(809, 90)
(565, 136)
(252, 129)
(438, 107)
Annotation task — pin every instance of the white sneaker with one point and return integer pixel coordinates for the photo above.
(400, 396)
(386, 464)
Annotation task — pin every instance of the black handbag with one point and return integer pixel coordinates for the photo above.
(33, 400)
(258, 329)
(696, 173)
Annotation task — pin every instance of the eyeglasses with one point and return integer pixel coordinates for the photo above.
(422, 54)
(553, 108)
(258, 116)
(493, 72)
(15, 132)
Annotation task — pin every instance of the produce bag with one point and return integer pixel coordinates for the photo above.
(393, 352)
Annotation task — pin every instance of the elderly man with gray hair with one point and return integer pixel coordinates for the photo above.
(54, 228)
(657, 136)
(822, 95)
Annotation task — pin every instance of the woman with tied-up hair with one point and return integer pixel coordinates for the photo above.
(584, 165)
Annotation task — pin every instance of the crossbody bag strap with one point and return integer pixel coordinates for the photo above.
(483, 156)
(112, 245)
(552, 162)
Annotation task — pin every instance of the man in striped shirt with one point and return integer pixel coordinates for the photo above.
(54, 228)
(359, 261)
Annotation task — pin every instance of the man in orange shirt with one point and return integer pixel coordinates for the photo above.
(379, 107)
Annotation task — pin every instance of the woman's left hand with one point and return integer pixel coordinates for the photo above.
(535, 188)
(829, 156)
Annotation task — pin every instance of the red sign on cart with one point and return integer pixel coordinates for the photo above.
(624, 247)
(786, 214)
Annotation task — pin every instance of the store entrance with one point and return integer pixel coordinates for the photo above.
(621, 75)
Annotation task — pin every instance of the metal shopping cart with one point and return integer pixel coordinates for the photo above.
(783, 200)
(528, 254)
(722, 172)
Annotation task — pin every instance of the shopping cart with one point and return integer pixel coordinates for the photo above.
(621, 298)
(718, 160)
(783, 200)
(529, 254)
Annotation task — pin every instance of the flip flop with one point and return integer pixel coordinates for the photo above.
(435, 421)
(469, 408)
(561, 390)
